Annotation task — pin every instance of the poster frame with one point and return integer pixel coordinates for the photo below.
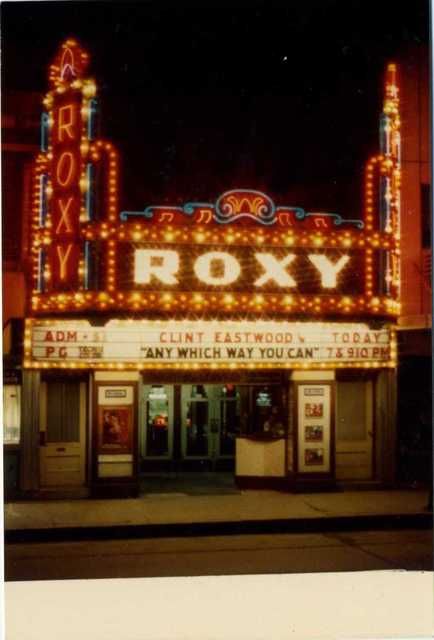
(96, 451)
(320, 474)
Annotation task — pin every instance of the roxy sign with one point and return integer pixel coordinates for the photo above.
(217, 268)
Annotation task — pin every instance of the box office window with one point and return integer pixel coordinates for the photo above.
(63, 411)
(11, 413)
(263, 410)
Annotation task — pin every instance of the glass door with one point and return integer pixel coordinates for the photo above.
(195, 422)
(158, 422)
(211, 418)
(195, 426)
(230, 401)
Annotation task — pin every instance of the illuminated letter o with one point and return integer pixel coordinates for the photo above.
(65, 167)
(230, 272)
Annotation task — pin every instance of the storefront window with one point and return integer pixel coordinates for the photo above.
(11, 413)
(157, 411)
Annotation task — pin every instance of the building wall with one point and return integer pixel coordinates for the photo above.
(416, 172)
(414, 437)
(14, 287)
(20, 133)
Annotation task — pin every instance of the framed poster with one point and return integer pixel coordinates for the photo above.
(314, 433)
(115, 429)
(314, 457)
(115, 436)
(314, 428)
(314, 410)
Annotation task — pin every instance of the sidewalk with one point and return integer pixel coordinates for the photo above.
(247, 511)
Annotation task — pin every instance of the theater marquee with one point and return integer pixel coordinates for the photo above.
(195, 344)
(238, 253)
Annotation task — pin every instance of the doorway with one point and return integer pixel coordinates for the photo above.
(190, 427)
(193, 427)
(354, 430)
(62, 435)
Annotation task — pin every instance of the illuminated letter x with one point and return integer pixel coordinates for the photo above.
(275, 270)
(64, 217)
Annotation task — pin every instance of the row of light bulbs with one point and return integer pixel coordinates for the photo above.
(223, 302)
(192, 366)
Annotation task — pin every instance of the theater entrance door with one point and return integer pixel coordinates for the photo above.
(190, 427)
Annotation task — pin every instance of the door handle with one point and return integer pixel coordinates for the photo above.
(42, 439)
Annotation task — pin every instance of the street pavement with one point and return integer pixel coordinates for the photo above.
(242, 532)
(221, 555)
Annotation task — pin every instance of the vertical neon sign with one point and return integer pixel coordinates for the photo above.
(64, 194)
(383, 191)
(390, 196)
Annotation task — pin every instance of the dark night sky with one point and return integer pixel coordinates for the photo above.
(279, 97)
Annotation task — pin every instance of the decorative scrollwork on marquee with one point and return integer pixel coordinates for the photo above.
(243, 204)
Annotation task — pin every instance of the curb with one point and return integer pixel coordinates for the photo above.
(241, 527)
